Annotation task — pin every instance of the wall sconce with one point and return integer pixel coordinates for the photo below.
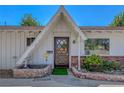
(74, 41)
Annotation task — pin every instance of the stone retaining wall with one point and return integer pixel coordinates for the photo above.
(31, 73)
(6, 73)
(74, 59)
(96, 76)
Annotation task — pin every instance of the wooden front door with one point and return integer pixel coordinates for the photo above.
(61, 51)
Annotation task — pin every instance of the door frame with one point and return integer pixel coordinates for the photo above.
(68, 52)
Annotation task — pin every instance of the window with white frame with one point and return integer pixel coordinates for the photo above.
(97, 46)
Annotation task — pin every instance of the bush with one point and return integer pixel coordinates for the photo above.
(115, 65)
(110, 65)
(106, 65)
(96, 63)
(92, 63)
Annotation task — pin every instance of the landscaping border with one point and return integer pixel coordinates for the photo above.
(120, 59)
(32, 73)
(97, 76)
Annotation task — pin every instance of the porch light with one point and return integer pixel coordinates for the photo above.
(74, 41)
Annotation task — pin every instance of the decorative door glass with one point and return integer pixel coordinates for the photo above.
(61, 51)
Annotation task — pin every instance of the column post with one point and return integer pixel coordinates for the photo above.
(79, 50)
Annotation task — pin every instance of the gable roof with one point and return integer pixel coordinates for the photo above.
(40, 36)
(81, 34)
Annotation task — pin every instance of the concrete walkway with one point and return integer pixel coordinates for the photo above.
(57, 81)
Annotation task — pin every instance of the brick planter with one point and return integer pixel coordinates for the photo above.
(120, 59)
(96, 76)
(31, 73)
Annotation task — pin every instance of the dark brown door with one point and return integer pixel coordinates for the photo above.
(61, 51)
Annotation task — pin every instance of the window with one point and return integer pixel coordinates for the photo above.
(97, 46)
(30, 40)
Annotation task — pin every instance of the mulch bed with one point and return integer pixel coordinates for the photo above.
(6, 73)
(113, 72)
(119, 72)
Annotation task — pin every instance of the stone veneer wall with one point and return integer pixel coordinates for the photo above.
(74, 59)
(96, 75)
(31, 73)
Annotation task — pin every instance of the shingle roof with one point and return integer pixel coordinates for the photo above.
(21, 28)
(38, 28)
(101, 28)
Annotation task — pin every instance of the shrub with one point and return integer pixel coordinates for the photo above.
(110, 65)
(106, 65)
(114, 65)
(92, 63)
(96, 63)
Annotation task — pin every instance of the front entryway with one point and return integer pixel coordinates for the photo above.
(61, 52)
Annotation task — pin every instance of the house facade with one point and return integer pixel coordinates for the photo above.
(60, 43)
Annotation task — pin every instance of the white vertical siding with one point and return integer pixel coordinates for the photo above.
(3, 49)
(0, 49)
(8, 49)
(22, 38)
(12, 46)
(18, 45)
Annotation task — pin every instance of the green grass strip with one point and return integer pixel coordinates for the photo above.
(60, 71)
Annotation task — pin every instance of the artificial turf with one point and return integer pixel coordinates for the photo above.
(60, 71)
